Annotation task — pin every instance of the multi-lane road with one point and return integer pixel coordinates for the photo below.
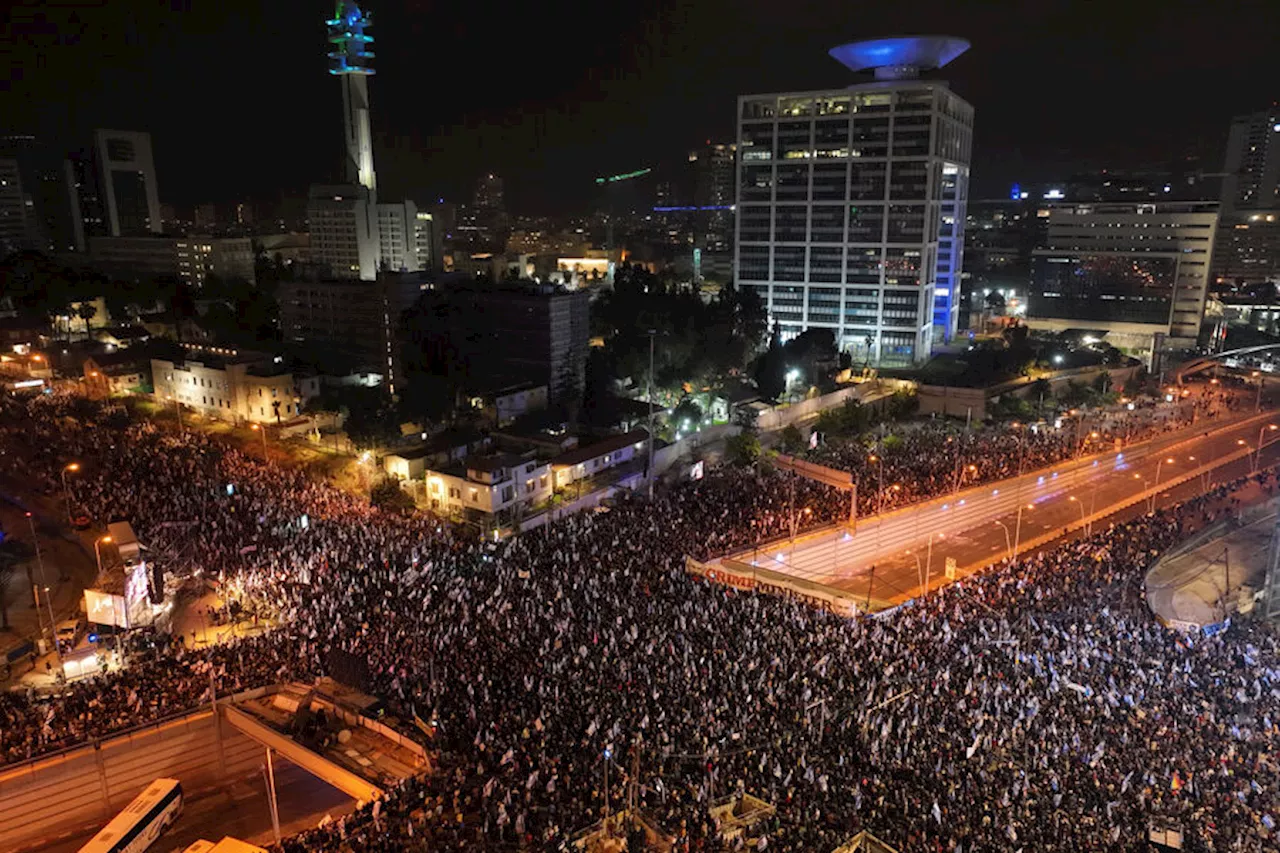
(888, 558)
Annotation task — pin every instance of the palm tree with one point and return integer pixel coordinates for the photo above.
(86, 311)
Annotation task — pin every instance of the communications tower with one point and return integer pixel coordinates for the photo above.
(350, 62)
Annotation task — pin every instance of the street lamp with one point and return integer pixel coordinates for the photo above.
(261, 429)
(1146, 486)
(1008, 543)
(1080, 503)
(1262, 431)
(66, 491)
(879, 463)
(960, 472)
(97, 550)
(928, 562)
(1170, 460)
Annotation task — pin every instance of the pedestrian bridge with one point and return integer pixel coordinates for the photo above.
(80, 788)
(316, 729)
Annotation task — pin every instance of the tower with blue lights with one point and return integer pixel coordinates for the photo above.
(350, 61)
(851, 201)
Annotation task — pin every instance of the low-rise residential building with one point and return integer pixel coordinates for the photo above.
(504, 405)
(232, 385)
(490, 485)
(593, 459)
(126, 371)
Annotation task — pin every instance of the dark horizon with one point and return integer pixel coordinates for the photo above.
(239, 105)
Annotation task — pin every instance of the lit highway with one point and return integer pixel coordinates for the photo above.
(978, 525)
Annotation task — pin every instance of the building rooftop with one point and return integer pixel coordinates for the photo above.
(600, 448)
(901, 57)
(496, 462)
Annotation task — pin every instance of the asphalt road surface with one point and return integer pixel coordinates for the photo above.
(979, 525)
(241, 810)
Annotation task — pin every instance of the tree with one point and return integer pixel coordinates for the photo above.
(742, 449)
(387, 495)
(771, 369)
(86, 311)
(902, 405)
(790, 439)
(1041, 390)
(848, 419)
(994, 302)
(687, 415)
(371, 419)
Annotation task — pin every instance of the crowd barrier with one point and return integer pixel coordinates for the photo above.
(747, 577)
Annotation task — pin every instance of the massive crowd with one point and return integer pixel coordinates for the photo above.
(1036, 707)
(934, 459)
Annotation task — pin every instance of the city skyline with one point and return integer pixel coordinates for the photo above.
(587, 105)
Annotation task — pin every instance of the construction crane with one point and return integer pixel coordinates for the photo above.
(607, 181)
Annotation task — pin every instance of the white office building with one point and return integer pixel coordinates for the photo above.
(851, 202)
(343, 220)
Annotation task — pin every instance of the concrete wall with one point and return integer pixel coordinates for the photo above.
(665, 457)
(958, 402)
(781, 416)
(86, 786)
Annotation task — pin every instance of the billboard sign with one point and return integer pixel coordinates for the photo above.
(103, 608)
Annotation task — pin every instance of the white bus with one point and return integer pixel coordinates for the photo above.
(137, 827)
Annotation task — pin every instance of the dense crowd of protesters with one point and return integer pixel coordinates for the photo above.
(1036, 707)
(934, 459)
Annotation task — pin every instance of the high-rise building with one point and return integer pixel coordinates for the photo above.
(1252, 180)
(851, 202)
(344, 219)
(1248, 247)
(344, 230)
(398, 237)
(489, 195)
(714, 193)
(86, 198)
(358, 321)
(534, 333)
(1130, 271)
(428, 240)
(13, 208)
(205, 216)
(127, 182)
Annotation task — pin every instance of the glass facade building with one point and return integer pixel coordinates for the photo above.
(1130, 270)
(851, 210)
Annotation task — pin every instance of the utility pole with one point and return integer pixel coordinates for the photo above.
(271, 797)
(48, 596)
(1226, 592)
(653, 470)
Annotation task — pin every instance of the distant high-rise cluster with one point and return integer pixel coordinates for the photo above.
(851, 202)
(57, 202)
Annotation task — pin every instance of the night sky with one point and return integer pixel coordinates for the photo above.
(549, 95)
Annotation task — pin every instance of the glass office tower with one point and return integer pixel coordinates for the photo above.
(851, 202)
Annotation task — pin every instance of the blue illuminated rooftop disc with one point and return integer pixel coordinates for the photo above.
(347, 34)
(899, 58)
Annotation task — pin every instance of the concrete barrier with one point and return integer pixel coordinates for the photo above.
(83, 787)
(966, 402)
